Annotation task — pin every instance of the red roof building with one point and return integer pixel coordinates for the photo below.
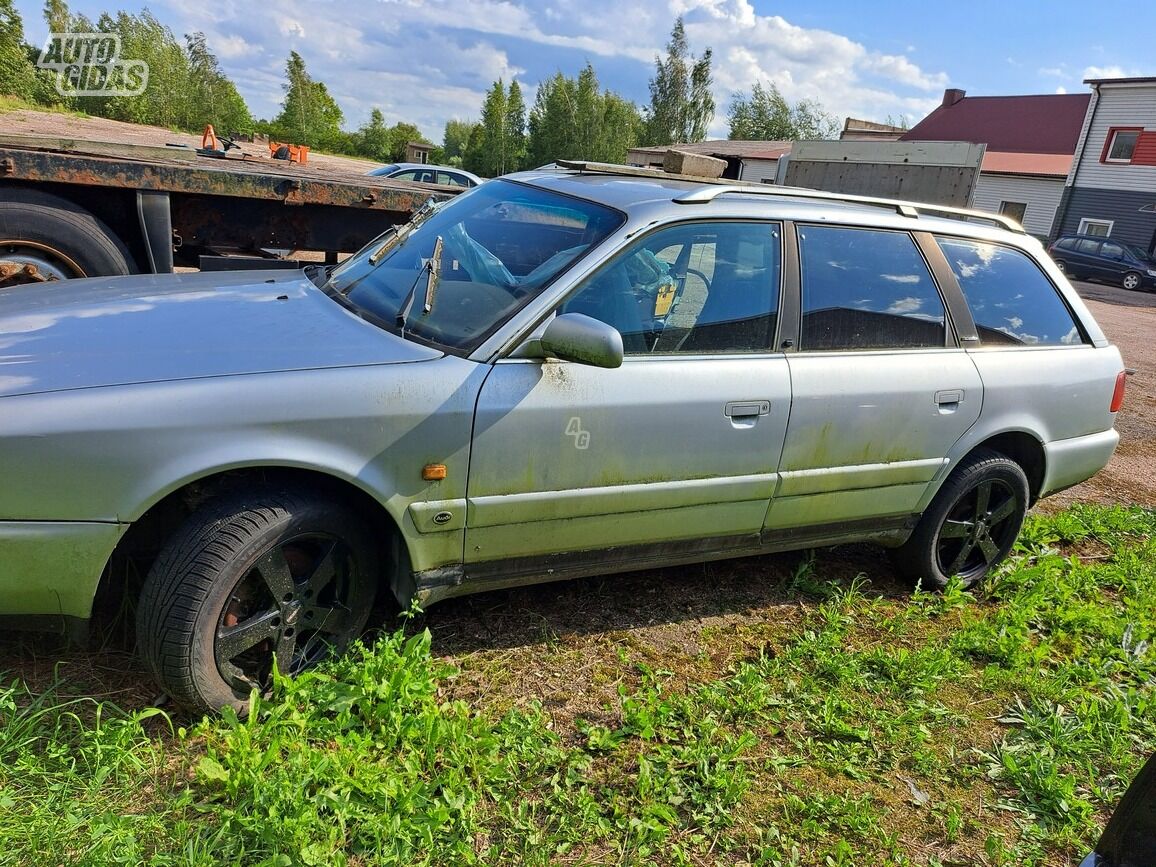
(1031, 142)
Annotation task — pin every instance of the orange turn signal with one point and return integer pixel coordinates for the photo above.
(433, 472)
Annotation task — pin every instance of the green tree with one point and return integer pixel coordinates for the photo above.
(400, 135)
(57, 16)
(681, 106)
(456, 138)
(490, 151)
(17, 74)
(514, 131)
(373, 138)
(573, 118)
(499, 145)
(166, 100)
(767, 116)
(215, 98)
(59, 20)
(309, 115)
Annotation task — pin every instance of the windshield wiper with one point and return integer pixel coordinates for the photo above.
(396, 234)
(434, 277)
(433, 274)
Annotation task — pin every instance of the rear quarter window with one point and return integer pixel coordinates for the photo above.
(1012, 301)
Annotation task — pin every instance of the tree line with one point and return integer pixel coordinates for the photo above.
(571, 117)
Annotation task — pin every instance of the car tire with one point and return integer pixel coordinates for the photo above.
(971, 524)
(247, 577)
(61, 239)
(1132, 280)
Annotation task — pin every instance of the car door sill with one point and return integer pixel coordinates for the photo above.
(442, 583)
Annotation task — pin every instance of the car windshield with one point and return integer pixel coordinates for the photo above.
(497, 246)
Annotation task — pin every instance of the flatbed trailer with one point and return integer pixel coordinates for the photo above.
(76, 208)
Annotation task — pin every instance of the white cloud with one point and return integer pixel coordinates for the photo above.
(905, 72)
(1061, 89)
(293, 29)
(425, 61)
(232, 47)
(1110, 72)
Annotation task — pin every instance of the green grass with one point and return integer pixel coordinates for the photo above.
(843, 725)
(15, 103)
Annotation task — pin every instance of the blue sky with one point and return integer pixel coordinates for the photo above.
(426, 61)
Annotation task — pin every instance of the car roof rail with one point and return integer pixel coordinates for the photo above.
(906, 209)
(714, 187)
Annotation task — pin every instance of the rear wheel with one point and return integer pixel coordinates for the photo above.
(970, 526)
(1132, 280)
(255, 581)
(45, 238)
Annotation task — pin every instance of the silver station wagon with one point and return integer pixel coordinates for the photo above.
(555, 374)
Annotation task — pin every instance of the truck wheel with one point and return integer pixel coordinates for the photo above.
(44, 237)
(254, 580)
(970, 525)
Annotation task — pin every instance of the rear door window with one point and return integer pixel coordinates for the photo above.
(1011, 299)
(866, 289)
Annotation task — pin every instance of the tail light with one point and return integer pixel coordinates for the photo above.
(1118, 393)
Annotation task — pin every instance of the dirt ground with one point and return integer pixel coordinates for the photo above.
(1130, 477)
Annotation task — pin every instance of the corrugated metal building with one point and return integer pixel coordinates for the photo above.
(1111, 188)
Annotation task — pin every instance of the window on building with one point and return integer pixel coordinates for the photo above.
(867, 289)
(1121, 144)
(1015, 210)
(1010, 299)
(1099, 228)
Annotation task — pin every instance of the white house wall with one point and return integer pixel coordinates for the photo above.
(1128, 106)
(758, 171)
(1041, 195)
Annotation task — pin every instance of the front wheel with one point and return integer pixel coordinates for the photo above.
(254, 581)
(970, 526)
(1132, 280)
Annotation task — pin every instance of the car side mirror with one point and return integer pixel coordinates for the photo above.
(1129, 840)
(579, 338)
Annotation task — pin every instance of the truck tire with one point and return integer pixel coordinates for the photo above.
(56, 238)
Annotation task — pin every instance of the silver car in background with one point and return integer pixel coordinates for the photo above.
(553, 375)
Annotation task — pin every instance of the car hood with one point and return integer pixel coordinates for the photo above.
(154, 328)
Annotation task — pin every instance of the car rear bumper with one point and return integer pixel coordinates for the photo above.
(52, 569)
(1074, 460)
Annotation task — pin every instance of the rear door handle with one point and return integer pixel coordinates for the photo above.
(949, 399)
(747, 408)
